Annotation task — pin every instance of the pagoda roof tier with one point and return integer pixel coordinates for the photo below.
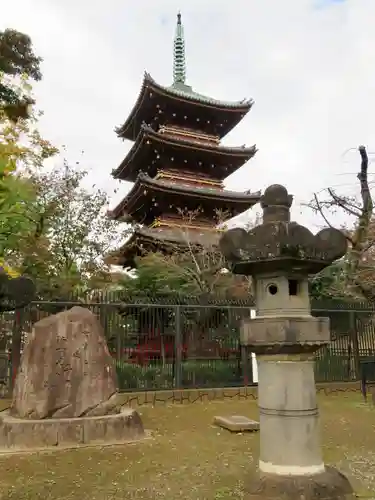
(180, 105)
(146, 239)
(153, 150)
(150, 198)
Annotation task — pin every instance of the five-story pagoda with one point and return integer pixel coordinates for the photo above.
(178, 165)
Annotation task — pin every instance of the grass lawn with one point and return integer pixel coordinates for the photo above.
(187, 458)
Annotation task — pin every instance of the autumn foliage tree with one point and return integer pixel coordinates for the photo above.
(71, 234)
(22, 151)
(78, 234)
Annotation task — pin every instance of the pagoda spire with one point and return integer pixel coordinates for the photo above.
(179, 63)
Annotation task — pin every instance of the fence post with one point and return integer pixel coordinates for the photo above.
(19, 316)
(355, 343)
(245, 364)
(178, 348)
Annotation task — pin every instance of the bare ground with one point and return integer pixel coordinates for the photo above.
(187, 458)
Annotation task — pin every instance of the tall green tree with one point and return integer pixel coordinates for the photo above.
(17, 59)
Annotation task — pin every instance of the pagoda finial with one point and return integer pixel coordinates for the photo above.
(179, 64)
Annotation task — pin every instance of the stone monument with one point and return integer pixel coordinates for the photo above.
(65, 392)
(280, 255)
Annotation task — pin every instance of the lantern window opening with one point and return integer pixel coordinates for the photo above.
(272, 289)
(293, 286)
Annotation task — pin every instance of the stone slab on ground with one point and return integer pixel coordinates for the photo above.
(236, 423)
(32, 434)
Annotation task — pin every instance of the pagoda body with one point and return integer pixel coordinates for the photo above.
(178, 165)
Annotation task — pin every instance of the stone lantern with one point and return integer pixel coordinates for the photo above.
(280, 255)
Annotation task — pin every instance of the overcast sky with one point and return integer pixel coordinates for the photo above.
(308, 65)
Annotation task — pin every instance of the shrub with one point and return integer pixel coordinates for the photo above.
(137, 377)
(210, 373)
(193, 374)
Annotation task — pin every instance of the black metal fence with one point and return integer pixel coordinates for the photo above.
(189, 345)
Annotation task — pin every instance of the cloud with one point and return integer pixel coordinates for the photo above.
(308, 69)
(323, 4)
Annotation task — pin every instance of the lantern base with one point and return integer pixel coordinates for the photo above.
(328, 485)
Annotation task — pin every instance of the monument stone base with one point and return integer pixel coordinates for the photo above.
(328, 485)
(19, 434)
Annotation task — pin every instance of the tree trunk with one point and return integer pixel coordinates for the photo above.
(355, 344)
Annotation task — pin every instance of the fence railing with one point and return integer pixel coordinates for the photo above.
(166, 345)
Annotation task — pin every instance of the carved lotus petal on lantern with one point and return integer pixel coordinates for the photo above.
(278, 243)
(233, 244)
(332, 242)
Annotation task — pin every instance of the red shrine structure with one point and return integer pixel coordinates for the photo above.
(178, 165)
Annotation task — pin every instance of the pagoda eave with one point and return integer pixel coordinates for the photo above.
(226, 159)
(151, 92)
(147, 191)
(146, 240)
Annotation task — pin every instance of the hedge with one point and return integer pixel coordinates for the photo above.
(193, 374)
(329, 367)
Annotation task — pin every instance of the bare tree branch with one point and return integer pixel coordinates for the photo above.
(361, 239)
(345, 204)
(320, 210)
